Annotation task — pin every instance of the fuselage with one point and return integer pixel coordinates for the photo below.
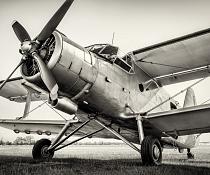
(96, 84)
(108, 86)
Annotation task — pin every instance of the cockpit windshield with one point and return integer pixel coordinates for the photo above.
(113, 55)
(105, 50)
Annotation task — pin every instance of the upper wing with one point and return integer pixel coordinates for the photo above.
(176, 60)
(185, 121)
(14, 90)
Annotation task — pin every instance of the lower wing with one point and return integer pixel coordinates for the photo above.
(16, 89)
(185, 121)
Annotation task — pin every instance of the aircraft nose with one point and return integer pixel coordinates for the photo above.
(75, 68)
(72, 66)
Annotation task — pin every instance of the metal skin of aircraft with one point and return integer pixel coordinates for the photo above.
(111, 96)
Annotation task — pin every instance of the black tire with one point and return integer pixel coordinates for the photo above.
(190, 155)
(151, 151)
(40, 152)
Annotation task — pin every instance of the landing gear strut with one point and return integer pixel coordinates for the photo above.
(44, 149)
(189, 154)
(151, 150)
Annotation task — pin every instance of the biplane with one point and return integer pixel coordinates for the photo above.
(110, 95)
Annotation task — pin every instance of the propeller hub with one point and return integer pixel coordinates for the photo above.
(26, 46)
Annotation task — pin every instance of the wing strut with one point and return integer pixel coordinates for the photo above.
(118, 135)
(27, 106)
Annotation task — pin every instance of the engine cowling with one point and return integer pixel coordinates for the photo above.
(71, 65)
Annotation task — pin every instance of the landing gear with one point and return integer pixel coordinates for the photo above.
(40, 150)
(189, 154)
(181, 150)
(151, 151)
(44, 149)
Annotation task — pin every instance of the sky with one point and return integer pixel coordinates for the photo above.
(136, 23)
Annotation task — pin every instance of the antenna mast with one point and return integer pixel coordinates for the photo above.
(113, 38)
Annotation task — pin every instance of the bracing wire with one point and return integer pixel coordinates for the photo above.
(180, 92)
(33, 109)
(40, 105)
(56, 112)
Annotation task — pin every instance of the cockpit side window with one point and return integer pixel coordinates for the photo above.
(122, 64)
(125, 63)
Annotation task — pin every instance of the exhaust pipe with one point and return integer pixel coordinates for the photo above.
(65, 105)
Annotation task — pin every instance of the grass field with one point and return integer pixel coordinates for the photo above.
(101, 159)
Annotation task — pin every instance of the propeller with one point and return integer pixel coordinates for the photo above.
(29, 47)
(47, 77)
(20, 32)
(54, 21)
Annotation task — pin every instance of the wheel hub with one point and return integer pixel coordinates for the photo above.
(156, 152)
(44, 152)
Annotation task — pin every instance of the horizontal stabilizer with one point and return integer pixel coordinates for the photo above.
(185, 121)
(190, 99)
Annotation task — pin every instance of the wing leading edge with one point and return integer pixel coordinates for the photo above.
(177, 60)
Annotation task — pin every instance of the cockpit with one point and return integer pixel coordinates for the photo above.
(112, 55)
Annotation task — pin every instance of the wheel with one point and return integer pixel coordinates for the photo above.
(40, 151)
(189, 154)
(151, 151)
(181, 150)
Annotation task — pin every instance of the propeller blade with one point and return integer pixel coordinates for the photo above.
(20, 32)
(47, 77)
(54, 21)
(5, 81)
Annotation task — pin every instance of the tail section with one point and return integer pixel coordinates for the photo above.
(190, 99)
(190, 140)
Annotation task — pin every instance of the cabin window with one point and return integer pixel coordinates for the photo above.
(125, 63)
(127, 59)
(122, 64)
(88, 58)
